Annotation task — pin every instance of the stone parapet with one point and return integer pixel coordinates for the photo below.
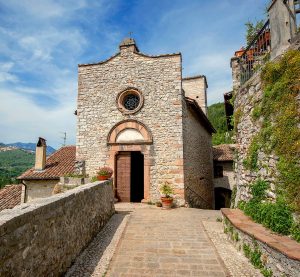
(44, 237)
(280, 254)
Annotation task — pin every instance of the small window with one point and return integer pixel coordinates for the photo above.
(129, 101)
(218, 171)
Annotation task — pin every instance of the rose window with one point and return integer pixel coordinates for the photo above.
(131, 101)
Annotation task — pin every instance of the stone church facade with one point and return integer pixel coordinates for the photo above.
(137, 115)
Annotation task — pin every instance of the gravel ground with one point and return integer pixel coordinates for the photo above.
(94, 260)
(237, 264)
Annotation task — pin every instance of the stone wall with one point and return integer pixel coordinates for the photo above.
(158, 79)
(280, 254)
(44, 237)
(195, 88)
(227, 181)
(39, 188)
(198, 164)
(246, 99)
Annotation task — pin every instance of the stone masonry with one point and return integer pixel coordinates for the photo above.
(198, 164)
(246, 98)
(44, 237)
(195, 88)
(158, 79)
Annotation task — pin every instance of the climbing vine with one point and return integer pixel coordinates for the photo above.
(280, 132)
(276, 216)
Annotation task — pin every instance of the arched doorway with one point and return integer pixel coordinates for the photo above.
(130, 176)
(129, 144)
(222, 198)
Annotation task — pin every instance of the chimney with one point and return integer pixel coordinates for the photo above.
(40, 154)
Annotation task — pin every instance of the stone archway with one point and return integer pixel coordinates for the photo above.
(130, 136)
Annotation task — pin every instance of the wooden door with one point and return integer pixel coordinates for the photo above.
(123, 176)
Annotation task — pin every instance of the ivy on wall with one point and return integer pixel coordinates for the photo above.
(280, 132)
(276, 216)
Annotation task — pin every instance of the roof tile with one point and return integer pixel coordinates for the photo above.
(58, 164)
(223, 152)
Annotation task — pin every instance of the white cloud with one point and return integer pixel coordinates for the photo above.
(5, 74)
(23, 120)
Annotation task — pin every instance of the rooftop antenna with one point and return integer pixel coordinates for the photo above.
(130, 34)
(64, 138)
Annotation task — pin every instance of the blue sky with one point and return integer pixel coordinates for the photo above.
(43, 41)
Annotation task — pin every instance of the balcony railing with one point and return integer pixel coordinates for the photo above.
(255, 54)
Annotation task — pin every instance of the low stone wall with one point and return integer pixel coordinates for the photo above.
(44, 237)
(279, 255)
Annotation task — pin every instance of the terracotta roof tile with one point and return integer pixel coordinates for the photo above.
(223, 152)
(58, 164)
(10, 196)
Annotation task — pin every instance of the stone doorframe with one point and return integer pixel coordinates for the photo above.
(143, 146)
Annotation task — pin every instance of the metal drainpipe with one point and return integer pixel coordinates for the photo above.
(25, 194)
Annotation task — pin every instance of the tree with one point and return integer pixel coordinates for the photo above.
(252, 30)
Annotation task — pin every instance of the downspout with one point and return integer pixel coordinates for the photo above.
(25, 193)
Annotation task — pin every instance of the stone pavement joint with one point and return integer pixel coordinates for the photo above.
(143, 240)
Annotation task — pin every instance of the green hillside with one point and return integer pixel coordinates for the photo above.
(12, 164)
(217, 116)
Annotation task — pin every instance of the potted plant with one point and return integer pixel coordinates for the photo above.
(166, 198)
(104, 173)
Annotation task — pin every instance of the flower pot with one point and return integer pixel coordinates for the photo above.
(166, 202)
(103, 177)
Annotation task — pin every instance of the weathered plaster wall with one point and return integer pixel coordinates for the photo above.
(159, 81)
(283, 26)
(39, 189)
(198, 164)
(44, 237)
(227, 181)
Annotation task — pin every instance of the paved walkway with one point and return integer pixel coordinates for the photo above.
(143, 240)
(166, 243)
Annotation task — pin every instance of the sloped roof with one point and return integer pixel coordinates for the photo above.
(223, 152)
(58, 164)
(203, 118)
(10, 196)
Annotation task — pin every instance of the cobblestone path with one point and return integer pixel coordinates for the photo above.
(157, 242)
(142, 240)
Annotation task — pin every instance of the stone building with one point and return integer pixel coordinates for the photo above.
(223, 174)
(137, 115)
(40, 180)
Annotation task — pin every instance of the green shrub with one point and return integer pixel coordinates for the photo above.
(281, 85)
(255, 258)
(252, 156)
(241, 205)
(266, 272)
(256, 112)
(275, 216)
(295, 231)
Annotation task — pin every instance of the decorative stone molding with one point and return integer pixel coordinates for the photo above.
(121, 97)
(143, 134)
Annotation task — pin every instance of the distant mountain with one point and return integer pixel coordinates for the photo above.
(13, 163)
(27, 146)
